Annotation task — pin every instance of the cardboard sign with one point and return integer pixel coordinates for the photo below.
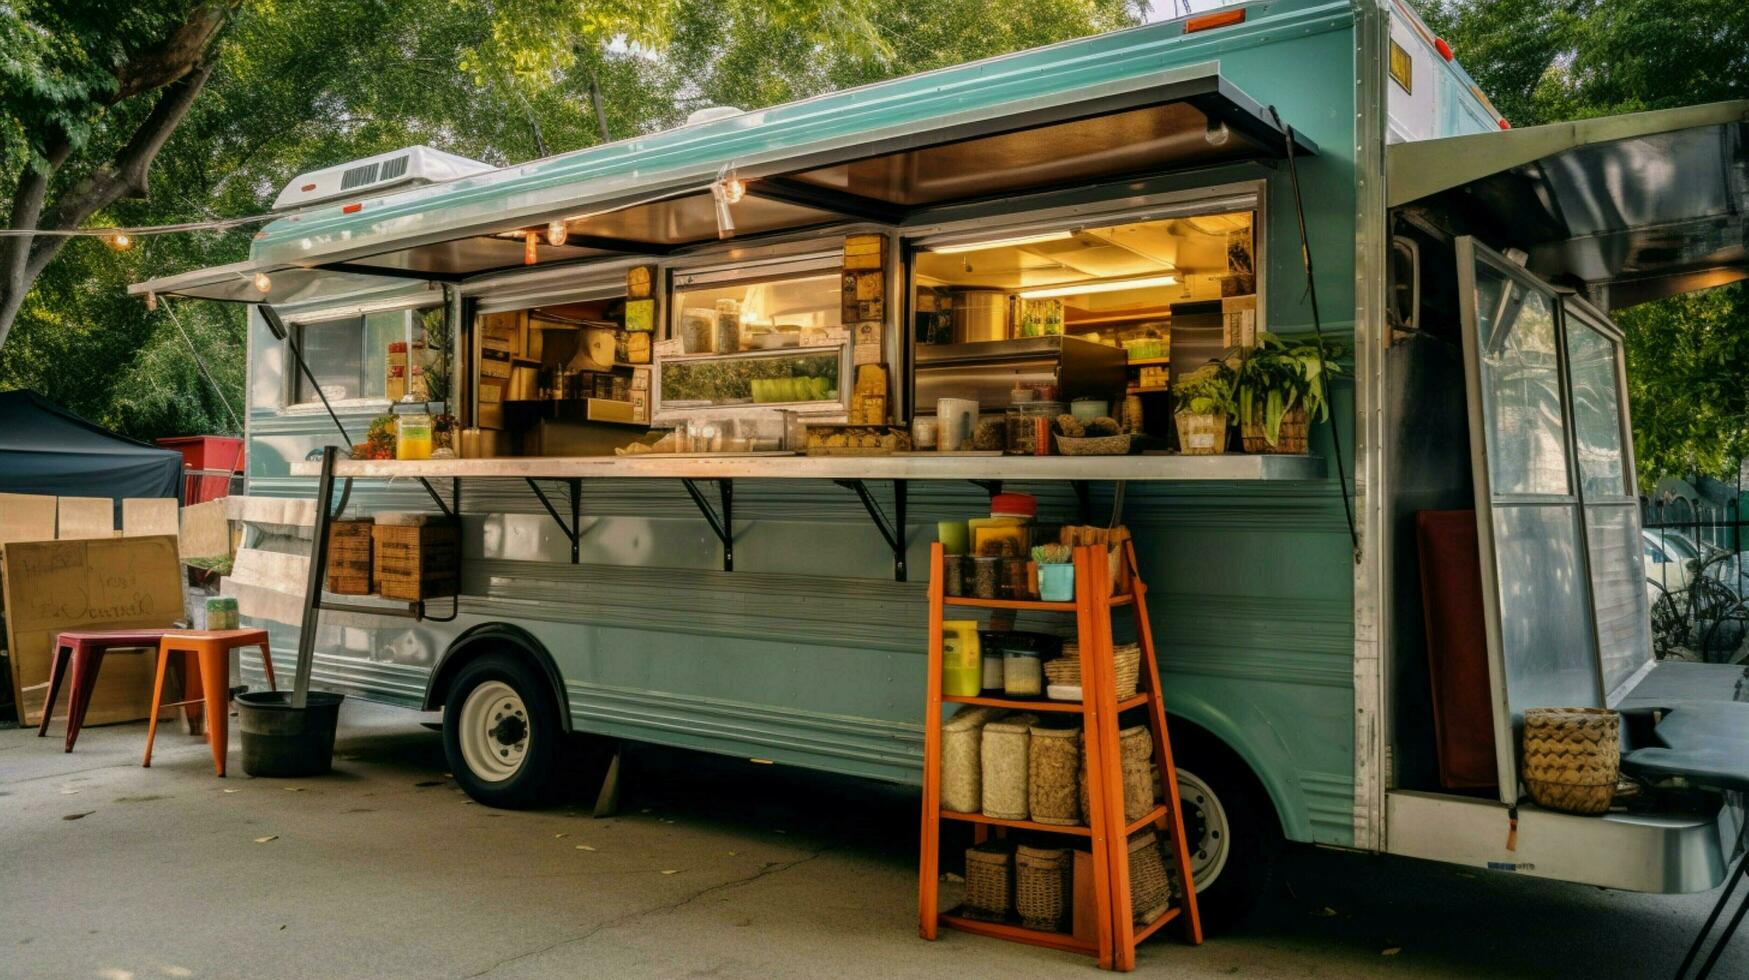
(86, 517)
(145, 516)
(206, 530)
(27, 517)
(110, 583)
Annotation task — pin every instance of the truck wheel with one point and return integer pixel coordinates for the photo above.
(501, 731)
(1231, 828)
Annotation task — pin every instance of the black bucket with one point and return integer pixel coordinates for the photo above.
(280, 740)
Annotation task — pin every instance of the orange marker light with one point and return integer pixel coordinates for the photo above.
(530, 251)
(1224, 18)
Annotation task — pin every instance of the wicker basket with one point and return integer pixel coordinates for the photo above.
(1041, 890)
(1127, 663)
(1053, 765)
(962, 777)
(1135, 749)
(1572, 758)
(413, 562)
(1118, 445)
(349, 557)
(1003, 759)
(1150, 892)
(1201, 435)
(989, 880)
(1064, 670)
(1291, 440)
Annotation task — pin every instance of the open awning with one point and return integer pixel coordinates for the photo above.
(1097, 109)
(1635, 207)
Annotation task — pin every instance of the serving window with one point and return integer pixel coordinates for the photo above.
(363, 357)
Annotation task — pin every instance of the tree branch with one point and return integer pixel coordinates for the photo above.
(184, 51)
(124, 176)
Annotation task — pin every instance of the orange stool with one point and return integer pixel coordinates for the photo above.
(207, 654)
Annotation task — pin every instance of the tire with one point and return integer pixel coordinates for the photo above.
(1231, 826)
(501, 731)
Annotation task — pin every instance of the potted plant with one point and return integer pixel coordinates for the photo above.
(1282, 389)
(1203, 400)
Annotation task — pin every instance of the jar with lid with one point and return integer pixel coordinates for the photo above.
(1029, 427)
(412, 432)
(698, 331)
(728, 334)
(1023, 673)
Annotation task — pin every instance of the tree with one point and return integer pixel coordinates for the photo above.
(295, 86)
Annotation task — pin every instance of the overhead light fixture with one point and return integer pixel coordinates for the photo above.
(262, 283)
(728, 189)
(530, 248)
(957, 247)
(1100, 286)
(557, 232)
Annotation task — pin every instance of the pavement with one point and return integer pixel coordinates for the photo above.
(715, 868)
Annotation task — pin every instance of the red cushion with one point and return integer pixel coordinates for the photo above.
(1457, 647)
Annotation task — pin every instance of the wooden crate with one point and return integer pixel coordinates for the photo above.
(349, 558)
(415, 562)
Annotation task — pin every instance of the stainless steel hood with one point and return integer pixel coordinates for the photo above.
(1632, 207)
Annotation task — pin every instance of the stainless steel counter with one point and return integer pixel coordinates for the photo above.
(921, 466)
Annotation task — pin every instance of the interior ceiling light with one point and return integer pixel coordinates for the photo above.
(557, 232)
(1048, 236)
(1100, 286)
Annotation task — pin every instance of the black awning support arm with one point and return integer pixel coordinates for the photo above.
(722, 526)
(892, 530)
(572, 531)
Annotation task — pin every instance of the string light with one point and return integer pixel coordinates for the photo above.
(557, 232)
(120, 240)
(262, 282)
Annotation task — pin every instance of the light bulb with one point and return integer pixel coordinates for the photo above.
(734, 188)
(557, 233)
(120, 240)
(530, 251)
(262, 283)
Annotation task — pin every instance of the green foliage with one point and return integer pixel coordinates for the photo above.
(1686, 359)
(1211, 389)
(306, 84)
(1277, 376)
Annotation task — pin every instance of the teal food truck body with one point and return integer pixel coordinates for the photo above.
(738, 600)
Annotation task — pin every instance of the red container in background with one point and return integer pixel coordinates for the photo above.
(207, 465)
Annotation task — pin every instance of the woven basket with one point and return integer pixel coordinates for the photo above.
(1041, 891)
(1135, 749)
(1292, 439)
(962, 777)
(989, 880)
(1064, 670)
(1053, 765)
(1201, 435)
(1118, 445)
(1127, 662)
(1150, 891)
(349, 558)
(1004, 763)
(1572, 758)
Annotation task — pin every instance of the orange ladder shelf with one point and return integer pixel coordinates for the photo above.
(1105, 831)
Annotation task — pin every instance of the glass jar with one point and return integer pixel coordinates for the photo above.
(698, 331)
(413, 435)
(1013, 585)
(953, 574)
(1023, 673)
(728, 334)
(986, 576)
(1029, 427)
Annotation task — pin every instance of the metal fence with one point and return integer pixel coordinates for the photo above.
(1697, 578)
(198, 485)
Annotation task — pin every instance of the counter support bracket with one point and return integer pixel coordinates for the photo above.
(572, 531)
(892, 530)
(1083, 499)
(722, 526)
(991, 487)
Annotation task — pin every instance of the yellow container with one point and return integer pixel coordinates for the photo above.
(962, 662)
(413, 436)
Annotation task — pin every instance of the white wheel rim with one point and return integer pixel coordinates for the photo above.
(493, 731)
(1206, 827)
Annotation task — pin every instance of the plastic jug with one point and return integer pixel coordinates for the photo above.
(962, 664)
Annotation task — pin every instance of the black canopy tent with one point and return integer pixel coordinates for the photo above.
(46, 449)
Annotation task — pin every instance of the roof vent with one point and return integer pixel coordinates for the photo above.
(377, 174)
(712, 114)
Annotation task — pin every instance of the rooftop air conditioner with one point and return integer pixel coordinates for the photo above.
(373, 175)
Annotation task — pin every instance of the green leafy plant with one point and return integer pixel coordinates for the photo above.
(1208, 390)
(1277, 376)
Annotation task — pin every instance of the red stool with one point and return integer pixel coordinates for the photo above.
(80, 654)
(208, 653)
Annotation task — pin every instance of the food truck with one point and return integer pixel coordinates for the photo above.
(688, 380)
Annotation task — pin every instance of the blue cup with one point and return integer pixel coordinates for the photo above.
(1056, 583)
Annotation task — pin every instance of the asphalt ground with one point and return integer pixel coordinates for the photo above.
(714, 868)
